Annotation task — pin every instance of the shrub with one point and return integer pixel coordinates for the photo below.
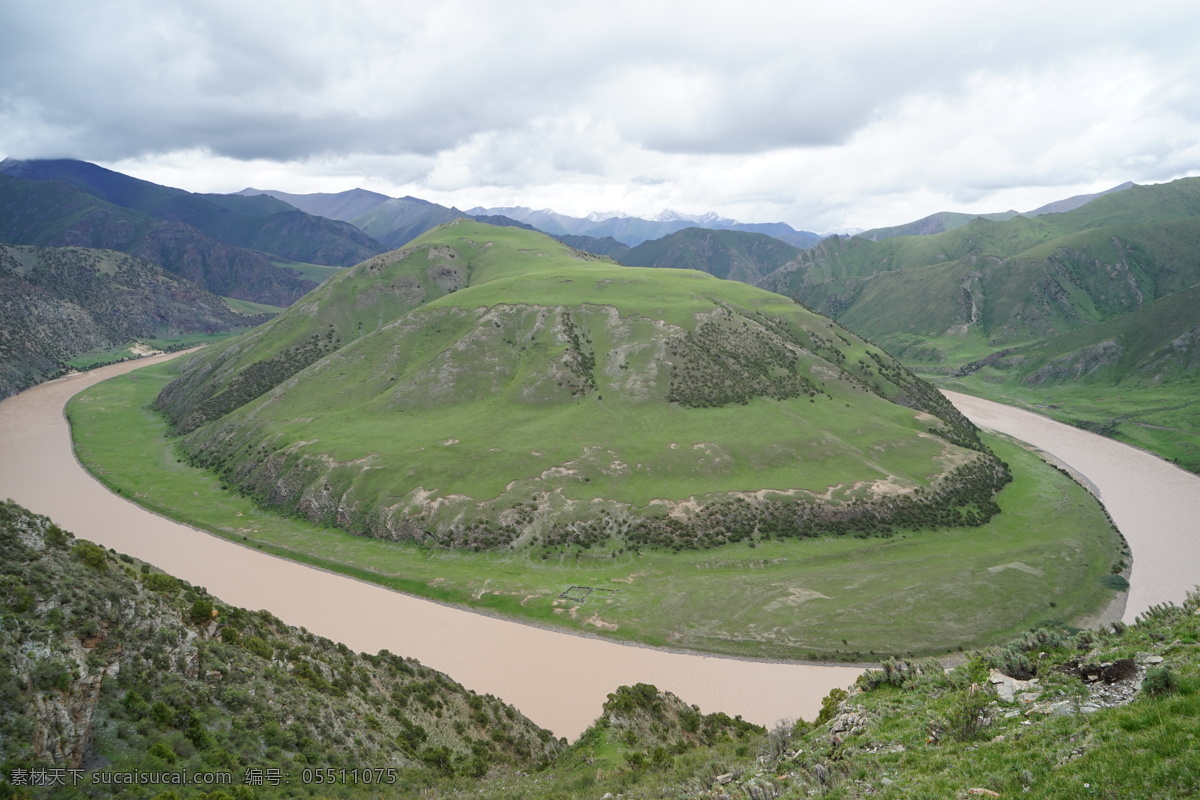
(201, 612)
(1160, 680)
(967, 718)
(256, 645)
(90, 554)
(161, 583)
(829, 705)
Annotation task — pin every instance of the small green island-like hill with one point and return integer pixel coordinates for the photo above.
(492, 388)
(492, 419)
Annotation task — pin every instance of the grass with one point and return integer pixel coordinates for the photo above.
(1042, 559)
(97, 358)
(313, 272)
(427, 383)
(247, 307)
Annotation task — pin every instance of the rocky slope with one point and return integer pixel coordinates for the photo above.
(57, 303)
(111, 666)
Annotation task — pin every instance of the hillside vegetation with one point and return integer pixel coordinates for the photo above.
(953, 297)
(489, 387)
(62, 304)
(663, 437)
(111, 667)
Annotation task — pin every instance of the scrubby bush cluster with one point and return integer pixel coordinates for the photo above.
(726, 361)
(253, 381)
(172, 678)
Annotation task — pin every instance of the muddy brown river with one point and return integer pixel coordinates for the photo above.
(559, 680)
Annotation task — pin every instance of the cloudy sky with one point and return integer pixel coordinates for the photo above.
(823, 115)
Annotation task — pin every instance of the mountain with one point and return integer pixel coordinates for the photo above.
(1133, 378)
(136, 670)
(607, 246)
(54, 214)
(396, 222)
(1159, 343)
(938, 222)
(632, 231)
(944, 221)
(556, 400)
(733, 255)
(59, 303)
(343, 206)
(269, 226)
(989, 285)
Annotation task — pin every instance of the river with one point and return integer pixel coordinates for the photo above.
(558, 680)
(1154, 503)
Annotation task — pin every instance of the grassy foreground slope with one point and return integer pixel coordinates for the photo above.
(108, 666)
(549, 399)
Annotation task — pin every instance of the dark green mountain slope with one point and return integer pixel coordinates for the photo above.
(606, 246)
(733, 255)
(272, 227)
(1156, 344)
(55, 214)
(949, 220)
(598, 396)
(57, 303)
(987, 285)
(110, 666)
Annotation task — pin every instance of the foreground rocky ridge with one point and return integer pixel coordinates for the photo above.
(110, 665)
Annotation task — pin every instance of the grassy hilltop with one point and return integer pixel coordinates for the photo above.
(736, 473)
(490, 387)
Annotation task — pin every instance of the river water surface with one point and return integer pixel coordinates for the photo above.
(559, 680)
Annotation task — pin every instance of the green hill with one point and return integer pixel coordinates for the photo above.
(734, 255)
(949, 220)
(58, 305)
(489, 387)
(957, 296)
(489, 418)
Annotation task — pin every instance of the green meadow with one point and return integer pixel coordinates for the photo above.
(1047, 557)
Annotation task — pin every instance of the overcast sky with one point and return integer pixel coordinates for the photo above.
(823, 115)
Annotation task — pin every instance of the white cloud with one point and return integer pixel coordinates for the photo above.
(821, 115)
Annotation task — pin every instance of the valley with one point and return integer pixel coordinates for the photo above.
(657, 463)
